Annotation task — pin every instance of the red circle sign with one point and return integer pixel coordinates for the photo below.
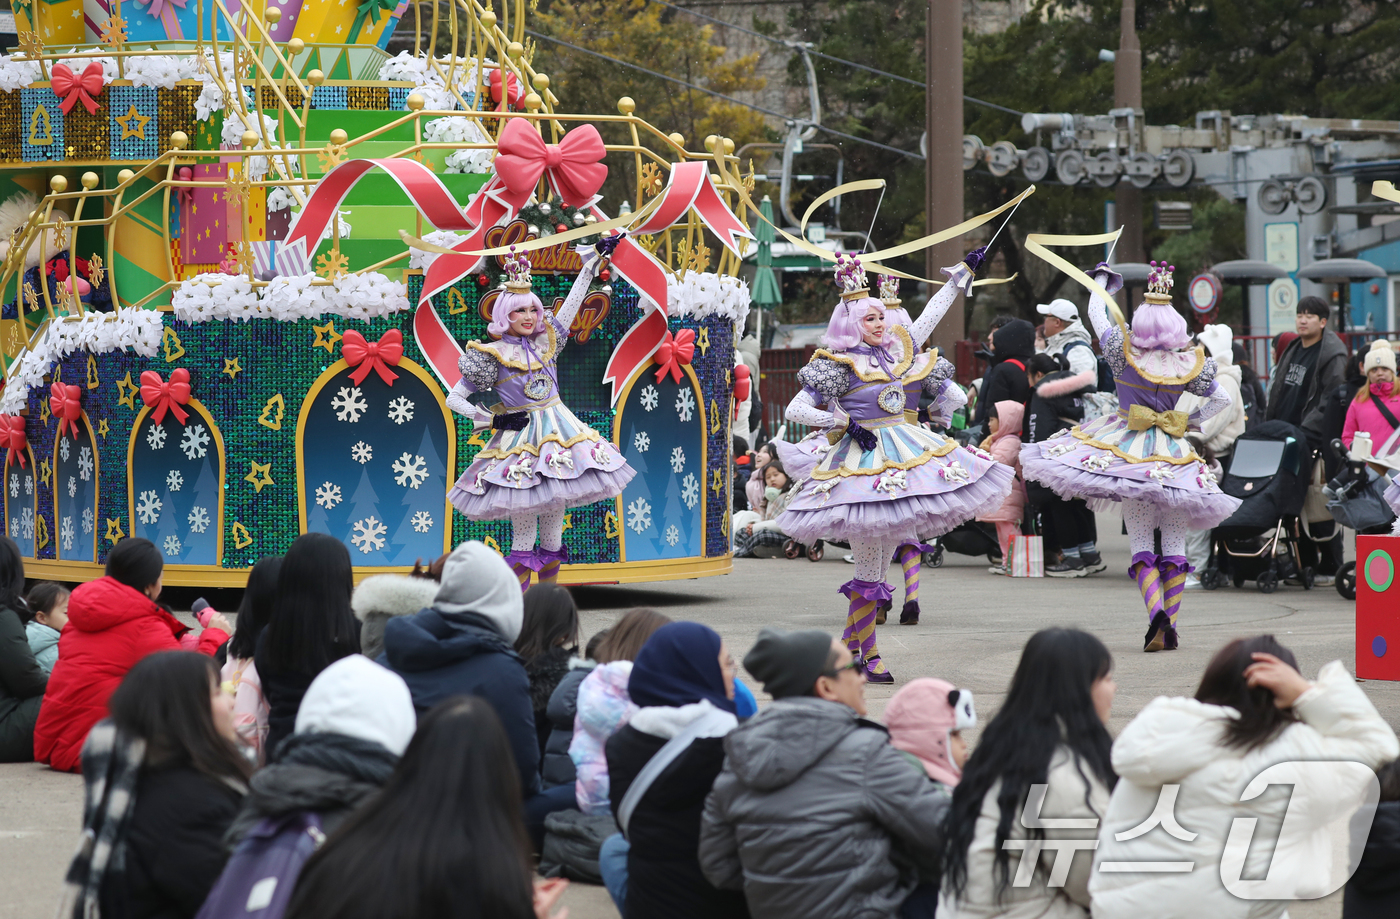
(1203, 293)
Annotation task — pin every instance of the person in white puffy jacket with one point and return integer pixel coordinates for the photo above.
(1253, 710)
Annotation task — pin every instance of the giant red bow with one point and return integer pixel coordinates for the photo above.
(166, 395)
(673, 352)
(374, 356)
(70, 88)
(12, 437)
(513, 93)
(66, 403)
(573, 164)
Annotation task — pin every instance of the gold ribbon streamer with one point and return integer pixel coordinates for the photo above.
(543, 242)
(1037, 243)
(838, 191)
(1386, 190)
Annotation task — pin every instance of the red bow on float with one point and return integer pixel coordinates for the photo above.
(742, 382)
(374, 356)
(166, 395)
(12, 438)
(574, 164)
(70, 87)
(513, 93)
(66, 403)
(673, 352)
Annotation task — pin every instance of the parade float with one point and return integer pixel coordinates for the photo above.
(243, 247)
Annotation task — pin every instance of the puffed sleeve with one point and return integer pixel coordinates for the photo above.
(1111, 345)
(479, 368)
(825, 377)
(1201, 385)
(943, 371)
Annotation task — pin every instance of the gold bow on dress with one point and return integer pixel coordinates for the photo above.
(1172, 422)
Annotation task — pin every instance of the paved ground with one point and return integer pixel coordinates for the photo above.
(973, 628)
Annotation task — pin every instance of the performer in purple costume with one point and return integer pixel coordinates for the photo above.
(540, 459)
(1139, 455)
(883, 479)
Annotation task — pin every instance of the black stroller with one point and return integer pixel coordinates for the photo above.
(1356, 498)
(970, 538)
(1259, 542)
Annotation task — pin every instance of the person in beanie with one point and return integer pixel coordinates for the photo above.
(1374, 408)
(813, 801)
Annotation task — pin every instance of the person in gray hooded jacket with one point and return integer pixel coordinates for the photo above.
(815, 814)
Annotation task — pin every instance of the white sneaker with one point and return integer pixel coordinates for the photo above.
(997, 569)
(1324, 580)
(1192, 583)
(848, 558)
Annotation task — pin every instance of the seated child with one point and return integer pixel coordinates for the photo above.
(48, 605)
(753, 529)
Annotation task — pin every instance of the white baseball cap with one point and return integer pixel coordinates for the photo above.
(1061, 309)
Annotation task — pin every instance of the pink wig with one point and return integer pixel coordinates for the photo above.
(508, 302)
(843, 331)
(1159, 327)
(898, 316)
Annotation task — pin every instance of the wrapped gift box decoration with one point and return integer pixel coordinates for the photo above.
(330, 22)
(60, 23)
(285, 28)
(173, 20)
(204, 223)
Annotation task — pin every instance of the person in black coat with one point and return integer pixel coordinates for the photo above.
(1056, 404)
(1335, 405)
(22, 680)
(683, 673)
(1007, 379)
(1374, 890)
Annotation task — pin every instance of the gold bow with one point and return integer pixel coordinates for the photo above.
(1172, 422)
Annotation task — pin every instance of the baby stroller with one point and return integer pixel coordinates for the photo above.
(1356, 498)
(970, 538)
(1259, 542)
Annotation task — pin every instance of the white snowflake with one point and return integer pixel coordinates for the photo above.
(14, 484)
(26, 523)
(14, 527)
(64, 449)
(349, 404)
(685, 405)
(690, 490)
(65, 533)
(172, 545)
(328, 495)
(87, 520)
(410, 471)
(148, 508)
(85, 463)
(369, 535)
(195, 442)
(401, 410)
(422, 522)
(642, 441)
(678, 460)
(29, 484)
(362, 452)
(72, 486)
(673, 535)
(173, 480)
(639, 515)
(199, 519)
(650, 398)
(156, 436)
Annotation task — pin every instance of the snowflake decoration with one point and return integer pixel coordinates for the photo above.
(422, 522)
(685, 405)
(85, 466)
(401, 410)
(362, 452)
(148, 508)
(650, 398)
(328, 495)
(639, 515)
(642, 441)
(87, 520)
(199, 519)
(678, 460)
(173, 480)
(64, 449)
(155, 437)
(410, 471)
(349, 404)
(172, 545)
(195, 442)
(14, 484)
(14, 525)
(673, 535)
(72, 486)
(65, 533)
(690, 490)
(369, 535)
(26, 523)
(29, 484)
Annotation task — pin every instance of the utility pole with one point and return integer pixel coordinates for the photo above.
(943, 52)
(1127, 94)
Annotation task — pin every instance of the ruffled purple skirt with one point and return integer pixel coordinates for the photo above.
(801, 458)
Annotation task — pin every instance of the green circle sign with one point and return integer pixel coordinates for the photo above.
(1379, 570)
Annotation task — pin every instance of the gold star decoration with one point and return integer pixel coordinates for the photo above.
(332, 156)
(104, 428)
(568, 522)
(260, 475)
(651, 180)
(45, 473)
(242, 539)
(702, 340)
(114, 530)
(326, 336)
(232, 367)
(126, 392)
(718, 484)
(137, 130)
(114, 34)
(44, 413)
(422, 159)
(332, 265)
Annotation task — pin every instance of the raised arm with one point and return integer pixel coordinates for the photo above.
(959, 280)
(1112, 282)
(574, 300)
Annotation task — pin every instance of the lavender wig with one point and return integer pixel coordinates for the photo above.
(1159, 327)
(508, 302)
(843, 331)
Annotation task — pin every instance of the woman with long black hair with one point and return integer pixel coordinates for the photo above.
(239, 674)
(548, 642)
(1046, 754)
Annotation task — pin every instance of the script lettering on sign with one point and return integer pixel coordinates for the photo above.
(590, 315)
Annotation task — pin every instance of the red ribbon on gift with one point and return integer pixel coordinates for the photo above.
(66, 403)
(166, 395)
(72, 88)
(742, 382)
(673, 352)
(513, 93)
(376, 356)
(12, 437)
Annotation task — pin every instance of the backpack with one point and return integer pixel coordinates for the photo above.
(260, 875)
(1105, 372)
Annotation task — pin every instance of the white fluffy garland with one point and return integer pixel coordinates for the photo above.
(164, 71)
(230, 297)
(705, 294)
(460, 130)
(17, 74)
(428, 83)
(137, 329)
(417, 258)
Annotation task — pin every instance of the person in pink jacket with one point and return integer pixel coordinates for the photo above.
(1370, 404)
(1004, 443)
(239, 676)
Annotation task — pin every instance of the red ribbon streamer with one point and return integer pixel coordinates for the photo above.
(166, 395)
(674, 352)
(374, 356)
(12, 437)
(66, 403)
(72, 88)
